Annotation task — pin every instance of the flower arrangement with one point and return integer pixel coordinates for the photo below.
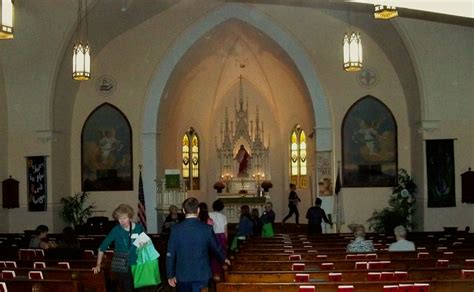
(219, 186)
(266, 185)
(401, 206)
(243, 193)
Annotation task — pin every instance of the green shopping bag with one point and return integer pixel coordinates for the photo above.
(146, 271)
(267, 230)
(146, 274)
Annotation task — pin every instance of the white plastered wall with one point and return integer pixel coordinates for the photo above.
(444, 57)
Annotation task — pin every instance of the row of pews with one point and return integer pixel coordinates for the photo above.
(290, 262)
(25, 269)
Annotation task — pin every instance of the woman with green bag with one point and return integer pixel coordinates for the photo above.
(125, 253)
(268, 218)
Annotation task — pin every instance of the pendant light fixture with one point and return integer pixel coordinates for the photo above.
(385, 11)
(81, 59)
(6, 19)
(352, 50)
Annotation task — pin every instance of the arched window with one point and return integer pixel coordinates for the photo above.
(190, 161)
(298, 157)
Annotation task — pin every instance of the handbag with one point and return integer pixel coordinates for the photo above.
(146, 272)
(267, 230)
(120, 259)
(120, 262)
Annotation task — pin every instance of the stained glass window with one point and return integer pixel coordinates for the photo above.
(191, 159)
(298, 157)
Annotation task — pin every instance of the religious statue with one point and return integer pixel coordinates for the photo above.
(242, 158)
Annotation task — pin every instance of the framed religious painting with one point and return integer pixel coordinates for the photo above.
(369, 145)
(106, 151)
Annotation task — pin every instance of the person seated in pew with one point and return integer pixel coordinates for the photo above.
(401, 244)
(68, 248)
(315, 216)
(69, 238)
(359, 244)
(257, 223)
(174, 217)
(245, 227)
(268, 220)
(40, 240)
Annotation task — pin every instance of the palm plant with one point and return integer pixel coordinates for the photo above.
(75, 211)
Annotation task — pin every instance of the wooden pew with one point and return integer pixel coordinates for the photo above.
(25, 285)
(375, 286)
(347, 275)
(88, 280)
(395, 264)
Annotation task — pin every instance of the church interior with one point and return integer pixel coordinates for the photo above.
(177, 87)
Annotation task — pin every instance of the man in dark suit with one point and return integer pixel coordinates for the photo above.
(187, 261)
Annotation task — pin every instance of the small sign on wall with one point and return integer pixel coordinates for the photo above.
(36, 179)
(172, 178)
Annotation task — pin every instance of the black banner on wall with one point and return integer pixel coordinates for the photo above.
(440, 171)
(36, 178)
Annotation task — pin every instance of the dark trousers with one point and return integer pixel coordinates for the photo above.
(315, 228)
(194, 286)
(123, 282)
(293, 210)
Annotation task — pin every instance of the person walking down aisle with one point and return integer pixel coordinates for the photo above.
(315, 216)
(293, 201)
(220, 229)
(187, 261)
(125, 254)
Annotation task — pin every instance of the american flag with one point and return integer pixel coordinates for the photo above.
(141, 203)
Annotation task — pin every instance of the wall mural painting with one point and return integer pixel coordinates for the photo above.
(440, 172)
(369, 145)
(106, 150)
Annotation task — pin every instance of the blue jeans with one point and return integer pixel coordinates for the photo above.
(194, 286)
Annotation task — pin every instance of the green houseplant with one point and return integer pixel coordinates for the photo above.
(401, 206)
(75, 210)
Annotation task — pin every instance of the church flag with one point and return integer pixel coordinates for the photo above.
(338, 187)
(339, 209)
(141, 202)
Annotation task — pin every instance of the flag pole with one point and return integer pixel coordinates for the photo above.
(337, 189)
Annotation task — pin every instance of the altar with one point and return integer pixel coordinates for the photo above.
(243, 161)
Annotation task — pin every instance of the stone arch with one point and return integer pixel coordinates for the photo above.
(160, 78)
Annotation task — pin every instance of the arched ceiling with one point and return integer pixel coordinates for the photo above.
(110, 18)
(214, 63)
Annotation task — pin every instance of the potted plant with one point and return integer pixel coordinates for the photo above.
(401, 206)
(75, 210)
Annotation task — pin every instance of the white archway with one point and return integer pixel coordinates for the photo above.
(160, 78)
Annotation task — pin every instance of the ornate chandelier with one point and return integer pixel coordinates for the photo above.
(385, 11)
(81, 59)
(352, 51)
(6, 19)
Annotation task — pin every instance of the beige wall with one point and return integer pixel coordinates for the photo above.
(444, 76)
(3, 148)
(444, 57)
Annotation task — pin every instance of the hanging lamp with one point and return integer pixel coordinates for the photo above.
(81, 59)
(352, 50)
(385, 11)
(6, 19)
